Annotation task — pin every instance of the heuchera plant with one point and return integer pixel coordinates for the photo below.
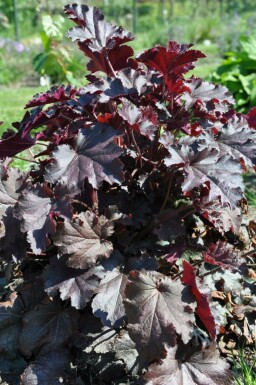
(132, 201)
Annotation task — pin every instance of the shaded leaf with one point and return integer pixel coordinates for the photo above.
(47, 369)
(47, 327)
(169, 225)
(75, 284)
(11, 369)
(10, 186)
(10, 324)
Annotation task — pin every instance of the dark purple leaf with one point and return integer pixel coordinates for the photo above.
(47, 369)
(93, 157)
(156, 307)
(204, 367)
(13, 242)
(15, 144)
(47, 327)
(55, 94)
(11, 184)
(100, 41)
(204, 92)
(127, 82)
(221, 216)
(10, 324)
(119, 57)
(108, 302)
(169, 225)
(93, 29)
(75, 284)
(223, 255)
(34, 209)
(238, 140)
(143, 120)
(85, 239)
(207, 167)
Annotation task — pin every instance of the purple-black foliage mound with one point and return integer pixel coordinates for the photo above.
(127, 222)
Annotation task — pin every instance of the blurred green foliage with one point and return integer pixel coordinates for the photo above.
(238, 73)
(55, 60)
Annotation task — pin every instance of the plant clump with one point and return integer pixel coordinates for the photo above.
(121, 251)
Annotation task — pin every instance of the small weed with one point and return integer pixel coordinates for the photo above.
(244, 368)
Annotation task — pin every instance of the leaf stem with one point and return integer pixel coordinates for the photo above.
(136, 146)
(80, 203)
(110, 65)
(209, 272)
(248, 253)
(168, 190)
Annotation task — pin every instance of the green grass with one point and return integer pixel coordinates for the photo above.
(12, 102)
(244, 369)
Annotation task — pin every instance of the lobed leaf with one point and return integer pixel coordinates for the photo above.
(204, 367)
(93, 158)
(156, 307)
(108, 302)
(84, 240)
(175, 58)
(55, 94)
(75, 284)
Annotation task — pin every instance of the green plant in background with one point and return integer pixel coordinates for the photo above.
(244, 370)
(55, 61)
(238, 73)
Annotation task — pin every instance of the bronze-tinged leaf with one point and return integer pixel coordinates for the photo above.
(204, 367)
(156, 307)
(84, 239)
